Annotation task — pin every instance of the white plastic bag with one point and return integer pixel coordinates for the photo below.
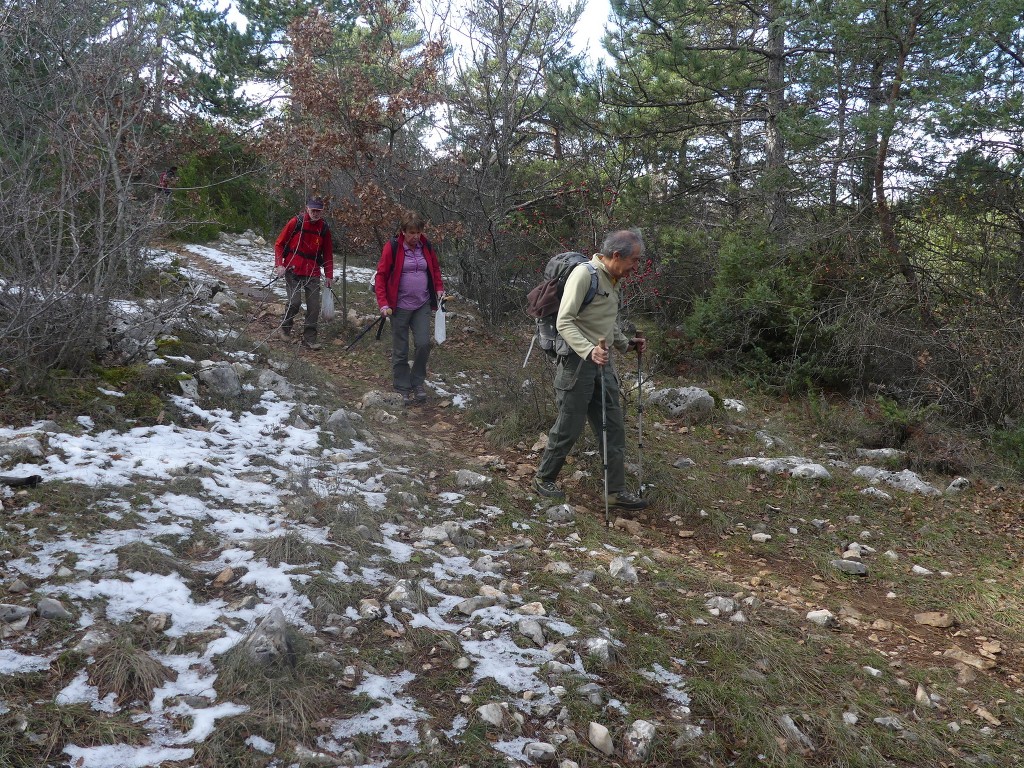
(326, 304)
(440, 333)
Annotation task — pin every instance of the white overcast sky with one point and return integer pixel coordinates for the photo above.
(589, 29)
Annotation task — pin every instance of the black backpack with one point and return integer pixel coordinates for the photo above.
(542, 301)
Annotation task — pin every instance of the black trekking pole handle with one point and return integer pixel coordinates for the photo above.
(273, 280)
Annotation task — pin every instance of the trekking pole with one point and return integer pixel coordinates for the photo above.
(366, 330)
(604, 436)
(529, 351)
(640, 417)
(273, 280)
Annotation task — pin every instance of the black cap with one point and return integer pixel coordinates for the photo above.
(316, 203)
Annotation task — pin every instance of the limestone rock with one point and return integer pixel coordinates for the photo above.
(370, 609)
(10, 614)
(693, 403)
(934, 619)
(719, 605)
(853, 567)
(601, 740)
(539, 752)
(823, 617)
(561, 513)
(968, 658)
(48, 608)
(466, 478)
(532, 609)
(959, 485)
(639, 741)
(796, 466)
(220, 378)
(881, 454)
(275, 382)
(270, 642)
(532, 629)
(902, 481)
(18, 449)
(474, 604)
(619, 568)
(496, 714)
(342, 424)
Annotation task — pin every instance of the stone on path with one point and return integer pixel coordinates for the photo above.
(601, 740)
(969, 659)
(849, 566)
(639, 741)
(823, 617)
(934, 619)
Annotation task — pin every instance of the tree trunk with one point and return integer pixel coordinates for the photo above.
(776, 175)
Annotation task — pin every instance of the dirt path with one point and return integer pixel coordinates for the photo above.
(786, 580)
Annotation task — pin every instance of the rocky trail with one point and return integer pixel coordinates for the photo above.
(293, 569)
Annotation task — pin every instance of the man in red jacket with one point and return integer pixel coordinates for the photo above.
(304, 246)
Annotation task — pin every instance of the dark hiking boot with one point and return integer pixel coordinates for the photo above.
(406, 396)
(627, 500)
(421, 394)
(548, 489)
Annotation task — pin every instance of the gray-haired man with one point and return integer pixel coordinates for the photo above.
(586, 373)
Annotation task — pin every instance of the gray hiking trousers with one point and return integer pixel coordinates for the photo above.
(578, 395)
(402, 320)
(297, 286)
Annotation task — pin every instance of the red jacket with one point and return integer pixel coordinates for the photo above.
(389, 272)
(304, 251)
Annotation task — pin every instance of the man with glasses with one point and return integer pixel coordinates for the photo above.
(302, 248)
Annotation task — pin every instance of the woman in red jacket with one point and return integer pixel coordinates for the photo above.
(408, 286)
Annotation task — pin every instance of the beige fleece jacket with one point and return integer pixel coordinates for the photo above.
(582, 327)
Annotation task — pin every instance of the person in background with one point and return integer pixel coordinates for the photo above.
(167, 180)
(408, 287)
(302, 248)
(586, 373)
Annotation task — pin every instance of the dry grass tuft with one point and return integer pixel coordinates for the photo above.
(293, 549)
(127, 671)
(145, 558)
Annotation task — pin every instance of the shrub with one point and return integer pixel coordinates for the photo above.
(761, 316)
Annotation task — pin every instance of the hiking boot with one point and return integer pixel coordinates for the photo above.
(627, 500)
(283, 334)
(548, 489)
(406, 396)
(421, 394)
(312, 345)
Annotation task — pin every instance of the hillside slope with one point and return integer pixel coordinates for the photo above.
(278, 564)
